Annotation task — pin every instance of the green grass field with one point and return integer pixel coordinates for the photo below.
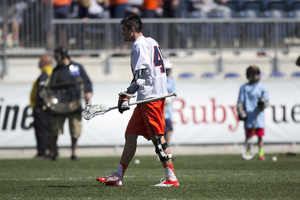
(200, 177)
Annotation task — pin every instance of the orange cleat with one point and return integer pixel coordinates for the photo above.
(113, 180)
(262, 157)
(168, 183)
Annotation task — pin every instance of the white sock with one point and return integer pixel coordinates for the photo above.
(170, 175)
(120, 170)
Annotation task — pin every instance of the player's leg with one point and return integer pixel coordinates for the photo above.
(116, 179)
(129, 148)
(57, 123)
(260, 133)
(164, 152)
(261, 154)
(154, 120)
(134, 127)
(75, 127)
(247, 139)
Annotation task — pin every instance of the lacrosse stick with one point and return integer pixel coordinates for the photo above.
(91, 111)
(248, 152)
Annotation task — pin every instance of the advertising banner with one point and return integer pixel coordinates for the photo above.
(204, 113)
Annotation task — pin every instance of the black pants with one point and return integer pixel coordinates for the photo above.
(42, 130)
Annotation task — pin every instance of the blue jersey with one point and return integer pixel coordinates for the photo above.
(171, 87)
(249, 95)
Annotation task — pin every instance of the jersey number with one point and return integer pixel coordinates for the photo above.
(158, 60)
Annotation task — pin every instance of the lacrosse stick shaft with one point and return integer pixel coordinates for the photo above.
(153, 99)
(255, 121)
(257, 112)
(145, 100)
(248, 145)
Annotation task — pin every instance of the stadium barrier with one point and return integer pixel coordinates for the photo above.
(180, 36)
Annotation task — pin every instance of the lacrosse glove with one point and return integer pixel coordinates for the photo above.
(242, 116)
(260, 104)
(123, 103)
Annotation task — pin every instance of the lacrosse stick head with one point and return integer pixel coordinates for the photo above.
(90, 111)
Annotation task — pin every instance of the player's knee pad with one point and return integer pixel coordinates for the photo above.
(159, 149)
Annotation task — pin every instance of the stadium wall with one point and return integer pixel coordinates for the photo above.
(204, 113)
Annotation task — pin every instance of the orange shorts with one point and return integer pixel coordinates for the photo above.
(147, 119)
(258, 131)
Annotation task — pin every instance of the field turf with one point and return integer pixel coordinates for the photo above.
(200, 177)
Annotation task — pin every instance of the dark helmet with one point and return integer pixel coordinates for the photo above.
(63, 51)
(251, 69)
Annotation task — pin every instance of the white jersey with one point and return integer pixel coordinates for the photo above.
(146, 54)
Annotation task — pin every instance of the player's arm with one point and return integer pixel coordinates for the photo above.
(241, 106)
(137, 82)
(264, 101)
(140, 61)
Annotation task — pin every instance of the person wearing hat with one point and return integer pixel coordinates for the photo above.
(253, 99)
(40, 113)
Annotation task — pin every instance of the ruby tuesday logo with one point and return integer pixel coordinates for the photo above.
(217, 113)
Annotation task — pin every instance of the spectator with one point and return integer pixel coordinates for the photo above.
(152, 8)
(178, 9)
(14, 16)
(118, 10)
(83, 10)
(97, 8)
(41, 115)
(210, 8)
(134, 7)
(68, 81)
(170, 7)
(61, 11)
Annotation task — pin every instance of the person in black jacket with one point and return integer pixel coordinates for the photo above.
(298, 61)
(40, 113)
(68, 84)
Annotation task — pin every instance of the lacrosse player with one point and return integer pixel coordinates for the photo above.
(149, 80)
(253, 99)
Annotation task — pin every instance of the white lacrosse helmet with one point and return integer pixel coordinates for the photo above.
(168, 64)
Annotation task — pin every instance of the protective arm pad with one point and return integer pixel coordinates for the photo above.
(240, 108)
(133, 88)
(138, 81)
(241, 111)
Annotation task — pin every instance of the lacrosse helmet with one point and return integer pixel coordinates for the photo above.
(252, 69)
(168, 64)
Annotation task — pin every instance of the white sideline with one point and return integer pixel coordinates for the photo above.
(149, 150)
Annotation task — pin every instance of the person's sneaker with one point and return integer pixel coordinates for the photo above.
(50, 158)
(168, 183)
(262, 157)
(113, 180)
(74, 158)
(15, 43)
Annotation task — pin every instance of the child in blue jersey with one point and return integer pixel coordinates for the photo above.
(253, 96)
